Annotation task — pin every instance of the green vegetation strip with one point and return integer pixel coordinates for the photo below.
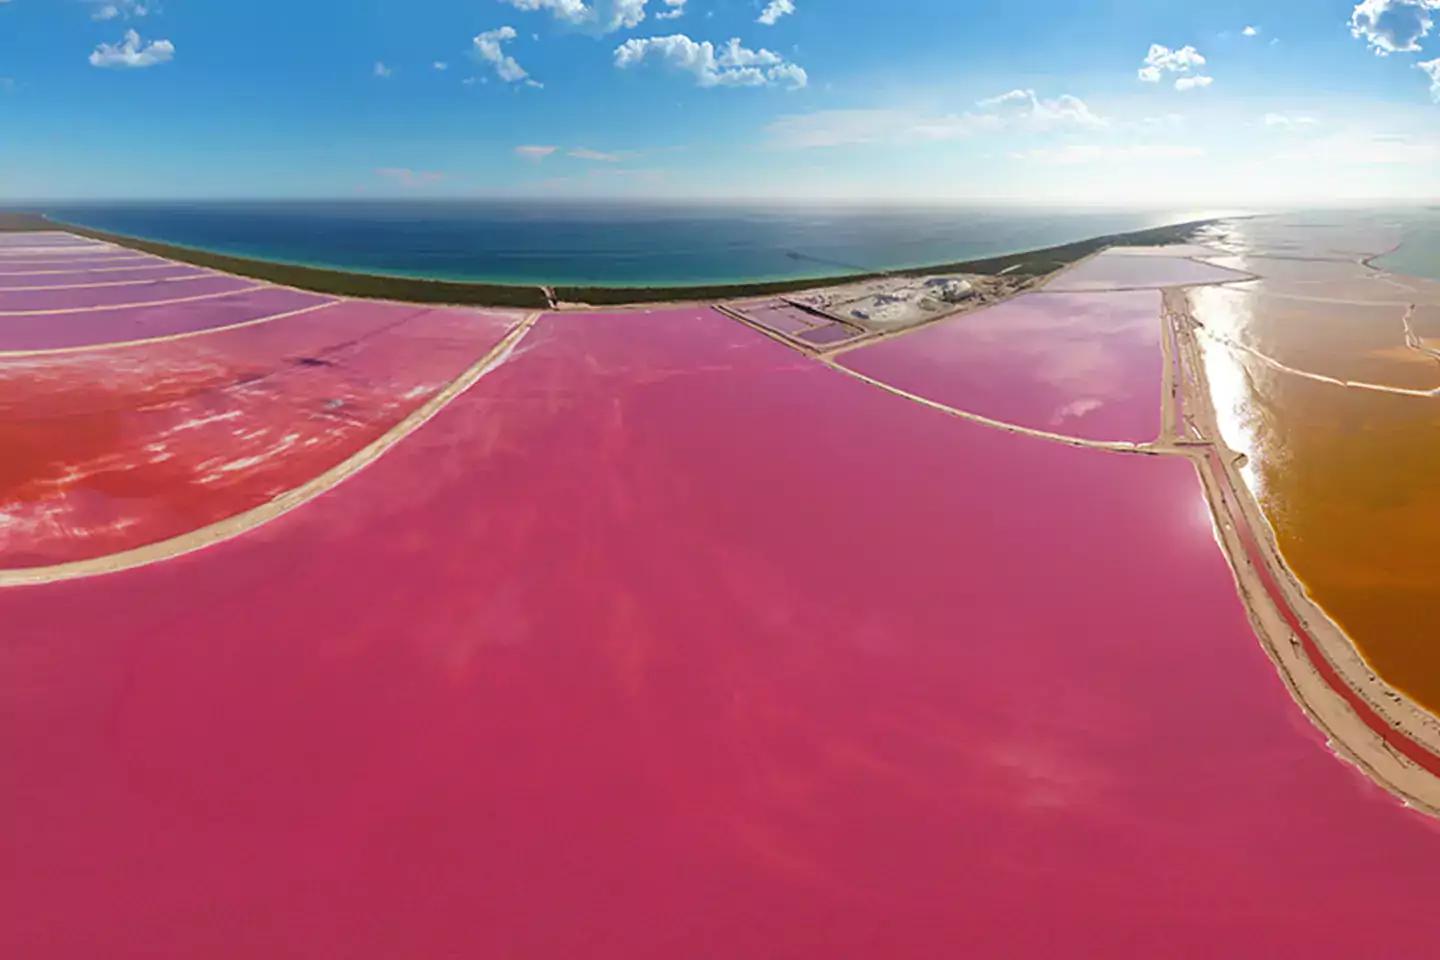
(1033, 263)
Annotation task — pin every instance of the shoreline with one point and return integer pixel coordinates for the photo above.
(377, 286)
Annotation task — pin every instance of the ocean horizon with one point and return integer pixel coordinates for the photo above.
(605, 243)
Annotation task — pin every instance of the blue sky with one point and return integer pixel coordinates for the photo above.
(1105, 101)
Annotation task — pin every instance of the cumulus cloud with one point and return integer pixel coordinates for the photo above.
(1393, 26)
(1025, 106)
(732, 65)
(132, 52)
(775, 10)
(489, 48)
(533, 152)
(600, 16)
(676, 9)
(121, 8)
(1161, 60)
(1197, 82)
(1432, 68)
(1250, 32)
(410, 178)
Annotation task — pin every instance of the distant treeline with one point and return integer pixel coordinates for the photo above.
(1032, 263)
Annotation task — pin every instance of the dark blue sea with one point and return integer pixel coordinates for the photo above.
(604, 243)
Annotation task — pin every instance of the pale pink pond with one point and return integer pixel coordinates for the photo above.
(85, 278)
(1083, 365)
(663, 641)
(1117, 271)
(155, 292)
(49, 331)
(50, 265)
(56, 240)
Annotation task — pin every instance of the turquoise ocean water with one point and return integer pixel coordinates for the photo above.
(605, 243)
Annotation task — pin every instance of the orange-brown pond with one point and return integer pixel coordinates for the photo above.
(1321, 374)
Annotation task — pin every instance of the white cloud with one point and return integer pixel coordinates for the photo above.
(489, 48)
(1393, 26)
(1161, 60)
(1198, 82)
(776, 10)
(410, 178)
(595, 156)
(440, 65)
(120, 8)
(1250, 32)
(1025, 106)
(676, 9)
(536, 153)
(381, 71)
(1076, 154)
(1286, 121)
(601, 16)
(732, 65)
(132, 52)
(1432, 68)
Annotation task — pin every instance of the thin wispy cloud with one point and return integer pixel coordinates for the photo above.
(594, 156)
(381, 71)
(732, 65)
(838, 128)
(1288, 121)
(1017, 110)
(1086, 153)
(132, 52)
(774, 11)
(534, 152)
(1023, 106)
(1360, 149)
(1197, 82)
